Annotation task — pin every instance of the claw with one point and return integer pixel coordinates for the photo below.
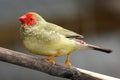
(52, 62)
(49, 58)
(67, 63)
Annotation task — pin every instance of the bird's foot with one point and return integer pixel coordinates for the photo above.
(50, 60)
(67, 63)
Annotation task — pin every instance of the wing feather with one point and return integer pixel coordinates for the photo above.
(62, 31)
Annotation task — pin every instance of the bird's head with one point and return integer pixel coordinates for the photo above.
(30, 19)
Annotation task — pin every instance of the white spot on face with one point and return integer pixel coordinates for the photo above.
(23, 17)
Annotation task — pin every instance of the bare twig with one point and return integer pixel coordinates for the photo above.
(35, 63)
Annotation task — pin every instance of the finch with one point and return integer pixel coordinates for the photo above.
(48, 39)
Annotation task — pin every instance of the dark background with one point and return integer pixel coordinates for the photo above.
(97, 20)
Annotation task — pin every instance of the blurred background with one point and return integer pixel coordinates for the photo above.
(97, 20)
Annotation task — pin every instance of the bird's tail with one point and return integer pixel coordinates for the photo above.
(99, 48)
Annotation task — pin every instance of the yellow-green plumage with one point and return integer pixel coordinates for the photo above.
(47, 39)
(39, 43)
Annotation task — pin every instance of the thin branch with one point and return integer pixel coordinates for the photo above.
(58, 70)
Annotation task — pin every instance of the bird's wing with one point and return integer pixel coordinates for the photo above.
(65, 32)
(69, 34)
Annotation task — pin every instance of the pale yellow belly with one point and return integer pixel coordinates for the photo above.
(45, 49)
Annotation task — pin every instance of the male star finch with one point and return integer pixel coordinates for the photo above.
(48, 39)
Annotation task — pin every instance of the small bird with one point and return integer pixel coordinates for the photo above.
(48, 39)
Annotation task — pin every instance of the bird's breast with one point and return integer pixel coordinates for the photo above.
(47, 43)
(47, 48)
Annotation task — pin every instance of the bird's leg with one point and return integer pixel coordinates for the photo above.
(67, 60)
(49, 58)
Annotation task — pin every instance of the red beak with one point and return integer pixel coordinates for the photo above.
(22, 19)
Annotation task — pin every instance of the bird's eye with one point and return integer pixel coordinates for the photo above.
(31, 19)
